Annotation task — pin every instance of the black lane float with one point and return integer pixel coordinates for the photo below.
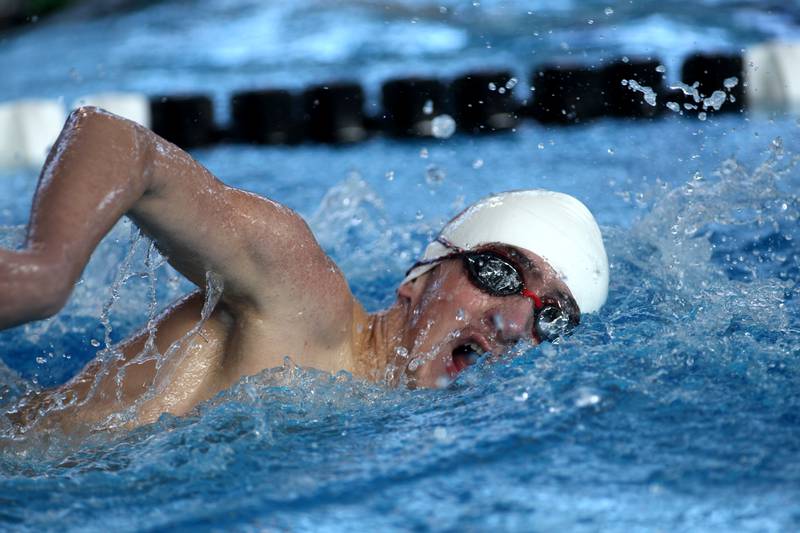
(764, 77)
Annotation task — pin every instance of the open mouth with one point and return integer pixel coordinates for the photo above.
(465, 355)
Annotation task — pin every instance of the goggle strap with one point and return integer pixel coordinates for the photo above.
(537, 302)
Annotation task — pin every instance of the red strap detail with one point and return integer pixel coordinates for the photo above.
(537, 302)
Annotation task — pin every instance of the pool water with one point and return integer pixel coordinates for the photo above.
(676, 408)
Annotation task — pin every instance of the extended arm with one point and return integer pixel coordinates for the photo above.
(102, 167)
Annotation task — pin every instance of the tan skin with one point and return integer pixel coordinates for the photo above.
(103, 167)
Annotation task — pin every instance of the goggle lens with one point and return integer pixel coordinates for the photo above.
(493, 274)
(552, 323)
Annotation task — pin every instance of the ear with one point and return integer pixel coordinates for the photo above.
(412, 290)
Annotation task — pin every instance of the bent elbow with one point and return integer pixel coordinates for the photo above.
(83, 115)
(49, 305)
(95, 120)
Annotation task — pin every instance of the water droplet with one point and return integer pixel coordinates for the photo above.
(625, 59)
(590, 21)
(428, 107)
(702, 115)
(460, 315)
(608, 11)
(661, 68)
(443, 126)
(611, 151)
(478, 163)
(731, 82)
(390, 175)
(41, 360)
(413, 365)
(587, 398)
(521, 398)
(492, 86)
(716, 100)
(442, 382)
(511, 83)
(423, 154)
(674, 107)
(688, 90)
(648, 92)
(434, 175)
(541, 146)
(95, 343)
(499, 322)
(401, 352)
(419, 215)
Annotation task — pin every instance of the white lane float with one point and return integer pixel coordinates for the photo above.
(28, 128)
(772, 77)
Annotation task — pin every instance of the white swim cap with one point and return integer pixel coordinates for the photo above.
(553, 225)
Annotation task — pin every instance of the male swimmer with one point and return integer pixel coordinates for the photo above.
(515, 266)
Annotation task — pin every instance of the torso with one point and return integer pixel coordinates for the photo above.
(199, 362)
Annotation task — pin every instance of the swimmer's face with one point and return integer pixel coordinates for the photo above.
(452, 322)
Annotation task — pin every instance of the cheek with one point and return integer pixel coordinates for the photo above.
(448, 303)
(470, 304)
(438, 295)
(513, 320)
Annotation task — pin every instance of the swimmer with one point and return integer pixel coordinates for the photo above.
(516, 266)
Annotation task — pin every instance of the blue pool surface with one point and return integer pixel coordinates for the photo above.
(676, 408)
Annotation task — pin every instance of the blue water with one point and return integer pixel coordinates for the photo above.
(676, 408)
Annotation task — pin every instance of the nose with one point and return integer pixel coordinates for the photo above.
(512, 322)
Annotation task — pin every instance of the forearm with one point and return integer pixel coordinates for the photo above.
(27, 286)
(96, 171)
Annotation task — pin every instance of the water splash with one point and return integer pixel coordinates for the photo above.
(169, 362)
(715, 101)
(351, 225)
(688, 90)
(35, 405)
(648, 92)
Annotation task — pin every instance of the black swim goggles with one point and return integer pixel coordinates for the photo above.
(497, 275)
